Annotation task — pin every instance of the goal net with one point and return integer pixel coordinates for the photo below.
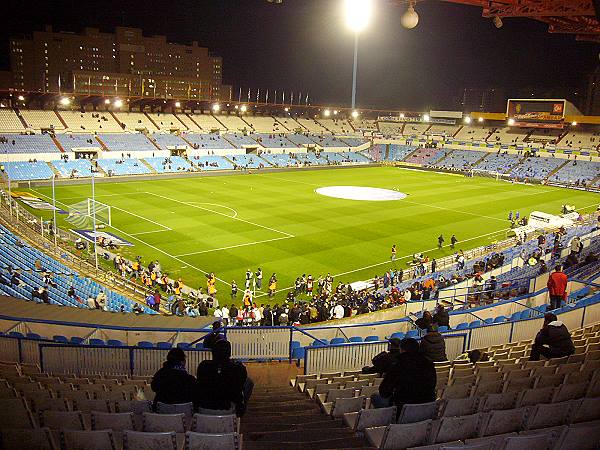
(82, 214)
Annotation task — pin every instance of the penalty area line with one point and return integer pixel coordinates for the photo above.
(234, 246)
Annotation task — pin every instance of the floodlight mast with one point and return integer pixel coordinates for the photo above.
(358, 15)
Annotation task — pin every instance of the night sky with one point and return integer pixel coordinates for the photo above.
(303, 45)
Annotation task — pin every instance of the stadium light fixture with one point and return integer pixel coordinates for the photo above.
(467, 120)
(402, 115)
(326, 113)
(65, 101)
(480, 120)
(177, 105)
(335, 112)
(426, 118)
(410, 18)
(358, 15)
(511, 122)
(237, 107)
(118, 103)
(243, 108)
(354, 114)
(286, 109)
(574, 123)
(21, 98)
(107, 101)
(216, 107)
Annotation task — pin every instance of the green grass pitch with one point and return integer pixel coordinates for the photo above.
(227, 224)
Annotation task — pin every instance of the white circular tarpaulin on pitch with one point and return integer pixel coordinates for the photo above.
(361, 193)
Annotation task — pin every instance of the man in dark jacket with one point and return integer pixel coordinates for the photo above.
(172, 383)
(384, 360)
(553, 340)
(214, 336)
(433, 346)
(222, 382)
(411, 379)
(441, 317)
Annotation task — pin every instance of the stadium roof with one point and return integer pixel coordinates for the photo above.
(576, 17)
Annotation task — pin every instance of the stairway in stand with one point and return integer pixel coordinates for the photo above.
(283, 418)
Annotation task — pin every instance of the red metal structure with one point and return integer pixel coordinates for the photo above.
(576, 17)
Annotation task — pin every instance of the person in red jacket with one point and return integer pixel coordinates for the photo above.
(557, 287)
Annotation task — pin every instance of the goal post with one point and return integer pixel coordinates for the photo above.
(81, 214)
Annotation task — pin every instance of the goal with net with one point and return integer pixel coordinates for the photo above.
(82, 214)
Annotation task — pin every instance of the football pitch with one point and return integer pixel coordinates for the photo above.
(276, 220)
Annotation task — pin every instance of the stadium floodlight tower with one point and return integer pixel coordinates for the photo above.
(358, 15)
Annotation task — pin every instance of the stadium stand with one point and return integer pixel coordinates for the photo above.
(77, 168)
(288, 124)
(165, 141)
(544, 135)
(581, 139)
(135, 121)
(247, 161)
(15, 255)
(273, 140)
(328, 140)
(211, 163)
(460, 159)
(501, 162)
(27, 143)
(18, 171)
(169, 164)
(166, 122)
(70, 141)
(127, 142)
(354, 141)
(38, 119)
(264, 124)
(365, 124)
(399, 152)
(337, 126)
(233, 123)
(425, 156)
(311, 158)
(311, 125)
(240, 140)
(189, 124)
(279, 159)
(577, 171)
(472, 133)
(89, 122)
(415, 129)
(536, 168)
(128, 166)
(443, 130)
(206, 122)
(9, 121)
(508, 135)
(391, 128)
(300, 139)
(210, 141)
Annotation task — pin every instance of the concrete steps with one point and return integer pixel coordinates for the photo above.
(283, 418)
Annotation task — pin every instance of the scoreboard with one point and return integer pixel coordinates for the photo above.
(536, 113)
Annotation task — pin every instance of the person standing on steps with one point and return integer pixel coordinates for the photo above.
(557, 287)
(440, 241)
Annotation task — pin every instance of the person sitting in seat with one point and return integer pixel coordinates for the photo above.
(214, 336)
(411, 379)
(223, 383)
(172, 383)
(552, 341)
(384, 360)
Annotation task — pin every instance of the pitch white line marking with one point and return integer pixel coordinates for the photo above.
(221, 214)
(234, 246)
(150, 232)
(235, 213)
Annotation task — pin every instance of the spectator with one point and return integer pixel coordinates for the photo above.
(424, 322)
(40, 293)
(214, 336)
(223, 383)
(384, 360)
(557, 287)
(433, 346)
(477, 356)
(172, 383)
(411, 380)
(553, 340)
(441, 317)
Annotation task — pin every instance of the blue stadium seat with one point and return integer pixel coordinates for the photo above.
(114, 343)
(199, 346)
(16, 334)
(320, 343)
(355, 339)
(337, 340)
(397, 335)
(298, 353)
(372, 339)
(488, 321)
(99, 342)
(443, 328)
(145, 344)
(60, 339)
(462, 326)
(164, 345)
(77, 340)
(475, 324)
(33, 336)
(500, 319)
(412, 334)
(184, 345)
